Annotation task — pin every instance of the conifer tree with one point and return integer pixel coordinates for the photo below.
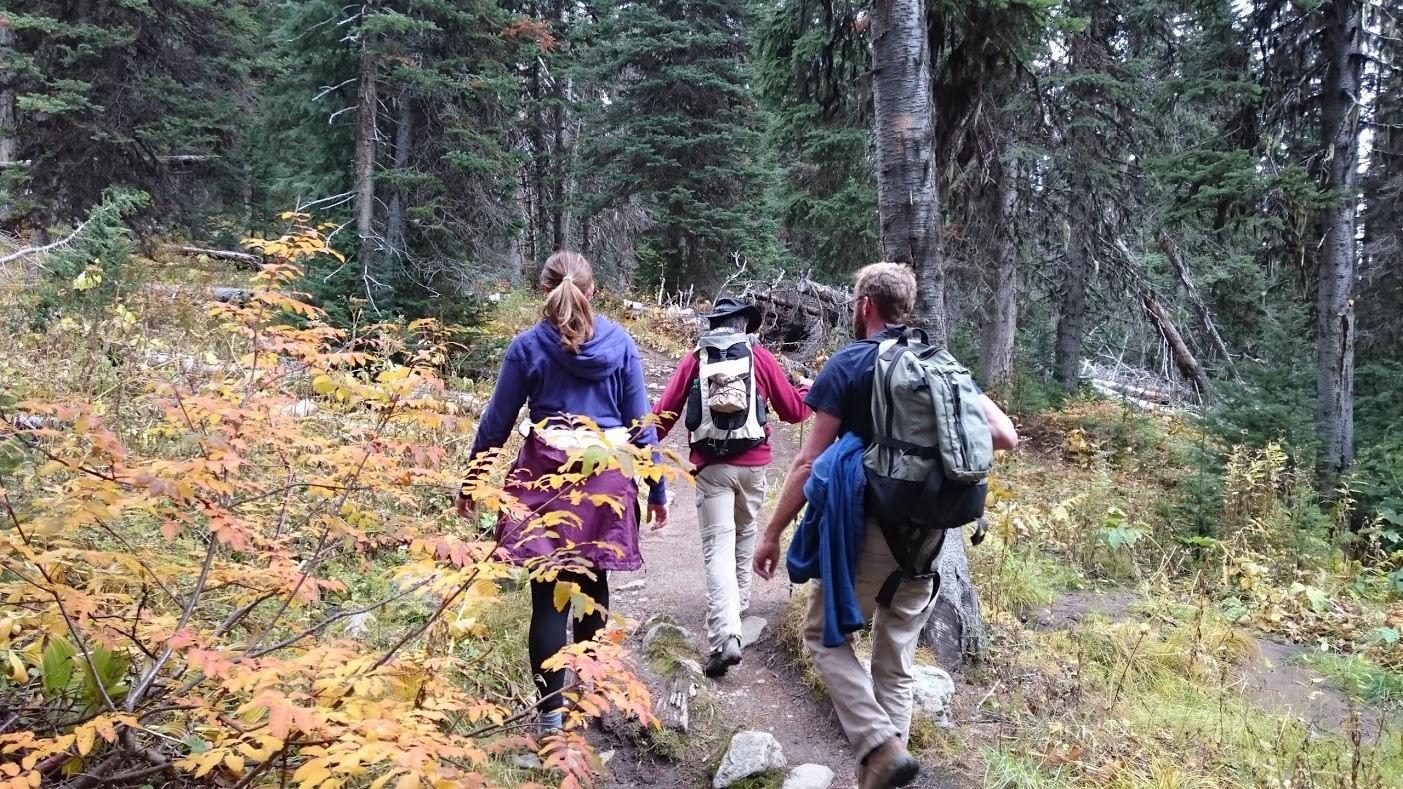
(146, 95)
(397, 116)
(680, 131)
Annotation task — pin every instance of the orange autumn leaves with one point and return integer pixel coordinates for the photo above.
(168, 573)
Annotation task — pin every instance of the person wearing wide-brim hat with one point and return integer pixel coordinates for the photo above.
(727, 311)
(731, 450)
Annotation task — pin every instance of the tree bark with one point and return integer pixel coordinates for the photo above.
(364, 165)
(1205, 318)
(1183, 357)
(996, 336)
(246, 199)
(1071, 322)
(9, 121)
(907, 192)
(1334, 343)
(404, 139)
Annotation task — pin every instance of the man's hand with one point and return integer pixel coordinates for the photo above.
(657, 515)
(465, 506)
(766, 557)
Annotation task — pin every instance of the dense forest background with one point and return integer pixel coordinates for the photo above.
(1207, 189)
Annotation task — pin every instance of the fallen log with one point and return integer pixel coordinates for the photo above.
(799, 316)
(1156, 395)
(221, 254)
(1112, 394)
(1183, 357)
(1205, 318)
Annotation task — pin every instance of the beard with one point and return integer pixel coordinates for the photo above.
(859, 325)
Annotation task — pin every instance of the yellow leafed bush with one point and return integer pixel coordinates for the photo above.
(168, 572)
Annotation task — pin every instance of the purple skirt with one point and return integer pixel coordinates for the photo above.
(599, 535)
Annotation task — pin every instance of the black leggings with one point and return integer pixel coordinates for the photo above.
(548, 626)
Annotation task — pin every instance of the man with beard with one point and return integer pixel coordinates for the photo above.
(875, 710)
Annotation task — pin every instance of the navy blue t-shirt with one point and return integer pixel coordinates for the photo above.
(844, 386)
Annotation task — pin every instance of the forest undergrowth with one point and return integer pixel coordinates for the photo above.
(229, 558)
(229, 555)
(1131, 648)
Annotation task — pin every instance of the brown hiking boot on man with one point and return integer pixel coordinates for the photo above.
(887, 767)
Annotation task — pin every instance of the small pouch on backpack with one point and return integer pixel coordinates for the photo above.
(728, 394)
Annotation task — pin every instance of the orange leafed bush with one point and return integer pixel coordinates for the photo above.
(164, 584)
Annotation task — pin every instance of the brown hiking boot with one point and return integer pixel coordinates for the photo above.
(887, 767)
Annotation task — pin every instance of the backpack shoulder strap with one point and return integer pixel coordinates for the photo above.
(911, 562)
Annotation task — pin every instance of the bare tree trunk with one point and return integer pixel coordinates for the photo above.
(364, 172)
(996, 336)
(1334, 342)
(1071, 322)
(541, 237)
(1205, 318)
(557, 167)
(571, 133)
(1183, 357)
(404, 139)
(9, 121)
(246, 198)
(907, 193)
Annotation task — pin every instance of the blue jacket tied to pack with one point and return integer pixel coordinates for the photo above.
(826, 544)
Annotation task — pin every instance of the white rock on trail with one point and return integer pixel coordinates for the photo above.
(751, 753)
(631, 585)
(809, 776)
(752, 630)
(933, 692)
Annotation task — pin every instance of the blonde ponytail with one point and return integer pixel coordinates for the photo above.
(568, 280)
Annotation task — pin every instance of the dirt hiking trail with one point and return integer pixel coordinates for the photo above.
(763, 693)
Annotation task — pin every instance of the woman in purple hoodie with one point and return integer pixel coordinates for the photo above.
(572, 363)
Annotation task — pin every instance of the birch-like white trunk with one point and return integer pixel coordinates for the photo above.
(907, 194)
(363, 168)
(1334, 342)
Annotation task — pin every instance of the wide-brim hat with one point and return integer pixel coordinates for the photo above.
(726, 307)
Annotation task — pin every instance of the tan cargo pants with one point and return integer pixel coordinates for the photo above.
(873, 709)
(729, 499)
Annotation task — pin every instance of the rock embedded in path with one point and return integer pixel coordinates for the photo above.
(809, 776)
(673, 709)
(752, 630)
(665, 630)
(751, 753)
(933, 691)
(631, 585)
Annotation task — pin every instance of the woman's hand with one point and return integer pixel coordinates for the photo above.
(465, 506)
(657, 515)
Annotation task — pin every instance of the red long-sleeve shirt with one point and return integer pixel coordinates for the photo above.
(784, 400)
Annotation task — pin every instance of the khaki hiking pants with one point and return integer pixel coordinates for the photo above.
(873, 709)
(729, 499)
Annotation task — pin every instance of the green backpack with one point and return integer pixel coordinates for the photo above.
(928, 464)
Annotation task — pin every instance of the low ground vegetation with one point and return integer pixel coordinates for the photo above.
(229, 554)
(228, 557)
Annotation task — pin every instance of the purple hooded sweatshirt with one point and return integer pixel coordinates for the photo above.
(603, 382)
